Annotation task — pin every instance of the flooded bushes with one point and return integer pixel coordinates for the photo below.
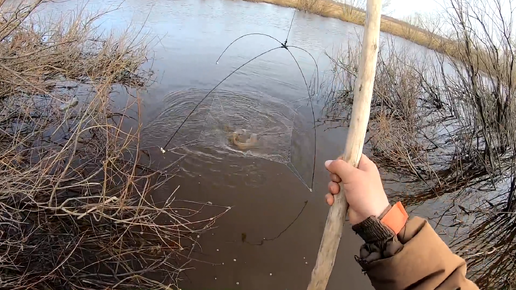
(76, 210)
(446, 126)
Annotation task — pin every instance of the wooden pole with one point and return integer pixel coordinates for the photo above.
(354, 144)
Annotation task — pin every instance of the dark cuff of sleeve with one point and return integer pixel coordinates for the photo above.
(372, 230)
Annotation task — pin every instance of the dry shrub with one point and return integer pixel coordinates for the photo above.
(394, 134)
(307, 5)
(354, 11)
(320, 7)
(34, 54)
(76, 210)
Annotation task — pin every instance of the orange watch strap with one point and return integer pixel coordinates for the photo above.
(396, 218)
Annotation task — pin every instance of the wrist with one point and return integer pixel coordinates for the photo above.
(383, 206)
(384, 211)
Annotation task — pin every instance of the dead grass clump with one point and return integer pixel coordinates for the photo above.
(67, 49)
(76, 210)
(319, 7)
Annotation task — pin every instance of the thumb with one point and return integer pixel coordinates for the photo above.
(340, 167)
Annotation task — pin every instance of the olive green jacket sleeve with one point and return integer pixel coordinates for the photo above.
(416, 259)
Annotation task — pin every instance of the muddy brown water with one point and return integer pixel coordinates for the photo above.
(270, 237)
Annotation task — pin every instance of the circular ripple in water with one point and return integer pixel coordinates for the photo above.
(223, 112)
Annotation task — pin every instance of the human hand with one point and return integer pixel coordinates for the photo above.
(362, 187)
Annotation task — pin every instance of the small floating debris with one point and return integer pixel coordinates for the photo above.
(234, 260)
(270, 274)
(238, 283)
(70, 104)
(162, 150)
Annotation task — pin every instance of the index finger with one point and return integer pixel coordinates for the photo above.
(343, 169)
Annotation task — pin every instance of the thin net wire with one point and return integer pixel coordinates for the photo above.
(250, 125)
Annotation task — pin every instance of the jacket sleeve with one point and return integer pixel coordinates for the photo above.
(416, 259)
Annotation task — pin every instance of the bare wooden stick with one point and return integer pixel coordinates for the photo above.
(355, 142)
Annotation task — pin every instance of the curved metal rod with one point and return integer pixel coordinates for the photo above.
(313, 118)
(313, 58)
(245, 35)
(280, 43)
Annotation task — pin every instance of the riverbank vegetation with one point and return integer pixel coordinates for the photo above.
(422, 29)
(351, 11)
(76, 206)
(446, 128)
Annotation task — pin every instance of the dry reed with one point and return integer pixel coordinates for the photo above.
(76, 210)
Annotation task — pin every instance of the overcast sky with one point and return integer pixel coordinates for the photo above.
(402, 8)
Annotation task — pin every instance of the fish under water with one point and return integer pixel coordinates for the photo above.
(242, 138)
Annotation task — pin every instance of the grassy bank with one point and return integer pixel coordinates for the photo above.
(468, 47)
